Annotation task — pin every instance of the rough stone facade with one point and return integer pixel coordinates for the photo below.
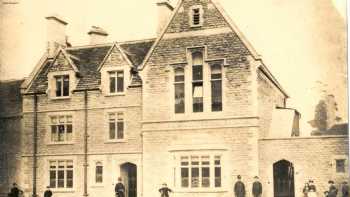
(236, 140)
(10, 133)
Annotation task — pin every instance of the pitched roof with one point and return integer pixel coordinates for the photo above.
(87, 60)
(136, 51)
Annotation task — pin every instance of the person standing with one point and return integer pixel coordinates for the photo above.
(239, 187)
(48, 192)
(119, 188)
(14, 190)
(345, 189)
(312, 189)
(257, 187)
(333, 191)
(164, 191)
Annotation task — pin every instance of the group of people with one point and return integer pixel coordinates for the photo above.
(239, 188)
(310, 189)
(16, 192)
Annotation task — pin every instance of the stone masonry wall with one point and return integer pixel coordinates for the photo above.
(269, 97)
(312, 158)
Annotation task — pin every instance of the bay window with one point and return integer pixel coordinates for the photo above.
(198, 171)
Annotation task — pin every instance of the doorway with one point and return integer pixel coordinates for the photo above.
(128, 172)
(283, 179)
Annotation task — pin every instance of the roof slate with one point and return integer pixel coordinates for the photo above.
(88, 59)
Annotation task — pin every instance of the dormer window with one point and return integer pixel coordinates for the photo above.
(62, 85)
(196, 16)
(116, 81)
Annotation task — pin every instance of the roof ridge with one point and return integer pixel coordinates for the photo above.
(90, 46)
(137, 41)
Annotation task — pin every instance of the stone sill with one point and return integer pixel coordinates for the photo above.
(209, 190)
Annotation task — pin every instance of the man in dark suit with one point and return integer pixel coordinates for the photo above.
(239, 187)
(345, 189)
(257, 187)
(333, 191)
(48, 192)
(119, 188)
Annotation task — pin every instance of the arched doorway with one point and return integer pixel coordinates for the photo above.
(128, 172)
(283, 179)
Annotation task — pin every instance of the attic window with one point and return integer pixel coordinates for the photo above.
(196, 16)
(62, 85)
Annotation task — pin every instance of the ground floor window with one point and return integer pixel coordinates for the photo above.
(61, 174)
(200, 171)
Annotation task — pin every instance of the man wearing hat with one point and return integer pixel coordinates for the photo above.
(119, 188)
(257, 187)
(239, 188)
(48, 192)
(332, 192)
(164, 191)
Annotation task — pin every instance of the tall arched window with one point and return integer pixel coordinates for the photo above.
(197, 81)
(216, 87)
(99, 172)
(179, 83)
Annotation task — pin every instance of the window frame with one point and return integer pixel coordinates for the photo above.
(200, 155)
(50, 124)
(114, 74)
(107, 120)
(175, 83)
(51, 91)
(196, 82)
(191, 16)
(99, 164)
(65, 171)
(211, 85)
(346, 165)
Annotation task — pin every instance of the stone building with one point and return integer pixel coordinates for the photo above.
(193, 108)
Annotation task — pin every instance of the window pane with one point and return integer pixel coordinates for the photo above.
(197, 58)
(54, 120)
(216, 71)
(120, 81)
(180, 98)
(53, 178)
(184, 177)
(58, 86)
(340, 165)
(179, 75)
(60, 133)
(184, 161)
(120, 134)
(69, 178)
(66, 86)
(216, 95)
(197, 72)
(54, 133)
(205, 177)
(60, 175)
(111, 130)
(198, 97)
(194, 177)
(99, 174)
(112, 84)
(69, 132)
(217, 176)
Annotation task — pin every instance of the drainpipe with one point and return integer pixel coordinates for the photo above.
(85, 141)
(35, 145)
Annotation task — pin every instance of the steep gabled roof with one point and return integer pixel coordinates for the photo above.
(86, 61)
(224, 15)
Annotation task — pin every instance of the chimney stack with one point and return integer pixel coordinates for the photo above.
(164, 12)
(97, 35)
(56, 33)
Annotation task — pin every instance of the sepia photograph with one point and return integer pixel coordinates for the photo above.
(174, 98)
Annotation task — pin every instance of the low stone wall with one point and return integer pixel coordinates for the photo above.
(312, 158)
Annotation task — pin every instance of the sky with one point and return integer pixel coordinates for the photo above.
(302, 42)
